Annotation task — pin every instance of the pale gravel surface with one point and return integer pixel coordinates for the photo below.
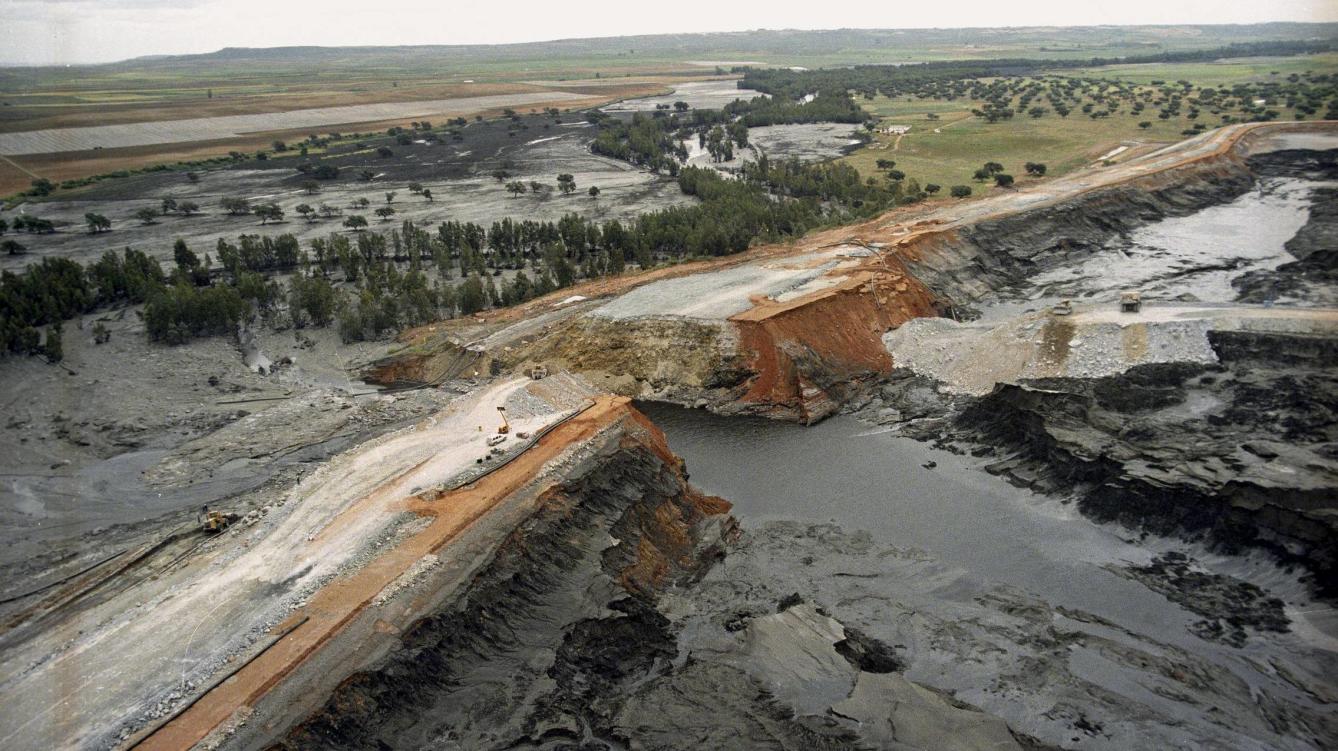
(717, 295)
(1091, 343)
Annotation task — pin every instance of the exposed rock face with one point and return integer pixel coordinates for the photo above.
(675, 360)
(1242, 453)
(551, 632)
(964, 265)
(795, 360)
(808, 359)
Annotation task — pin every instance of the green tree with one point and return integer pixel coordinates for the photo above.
(184, 257)
(236, 206)
(515, 187)
(471, 296)
(306, 211)
(566, 183)
(269, 212)
(41, 187)
(187, 208)
(311, 299)
(169, 205)
(385, 212)
(1003, 180)
(146, 215)
(593, 191)
(355, 222)
(960, 191)
(97, 222)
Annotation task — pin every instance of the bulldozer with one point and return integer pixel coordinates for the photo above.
(213, 522)
(505, 427)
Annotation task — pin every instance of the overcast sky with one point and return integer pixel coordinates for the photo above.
(81, 31)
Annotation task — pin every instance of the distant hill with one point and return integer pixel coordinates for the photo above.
(656, 53)
(1076, 41)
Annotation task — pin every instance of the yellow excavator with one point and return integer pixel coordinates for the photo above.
(505, 427)
(213, 522)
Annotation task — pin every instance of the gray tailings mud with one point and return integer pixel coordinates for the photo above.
(568, 639)
(1217, 421)
(1077, 634)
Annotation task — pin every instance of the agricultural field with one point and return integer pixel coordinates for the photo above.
(946, 143)
(144, 143)
(240, 80)
(236, 126)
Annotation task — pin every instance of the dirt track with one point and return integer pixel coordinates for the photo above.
(330, 608)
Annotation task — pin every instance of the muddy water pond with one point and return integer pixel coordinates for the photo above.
(1193, 257)
(969, 541)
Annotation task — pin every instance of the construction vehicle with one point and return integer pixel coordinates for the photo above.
(539, 372)
(213, 522)
(1064, 308)
(1130, 302)
(493, 440)
(505, 427)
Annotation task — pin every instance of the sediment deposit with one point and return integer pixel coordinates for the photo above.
(421, 589)
(793, 332)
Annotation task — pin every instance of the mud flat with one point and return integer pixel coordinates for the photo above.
(698, 94)
(289, 601)
(457, 173)
(803, 141)
(1077, 634)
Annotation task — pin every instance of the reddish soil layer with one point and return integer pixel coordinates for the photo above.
(810, 353)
